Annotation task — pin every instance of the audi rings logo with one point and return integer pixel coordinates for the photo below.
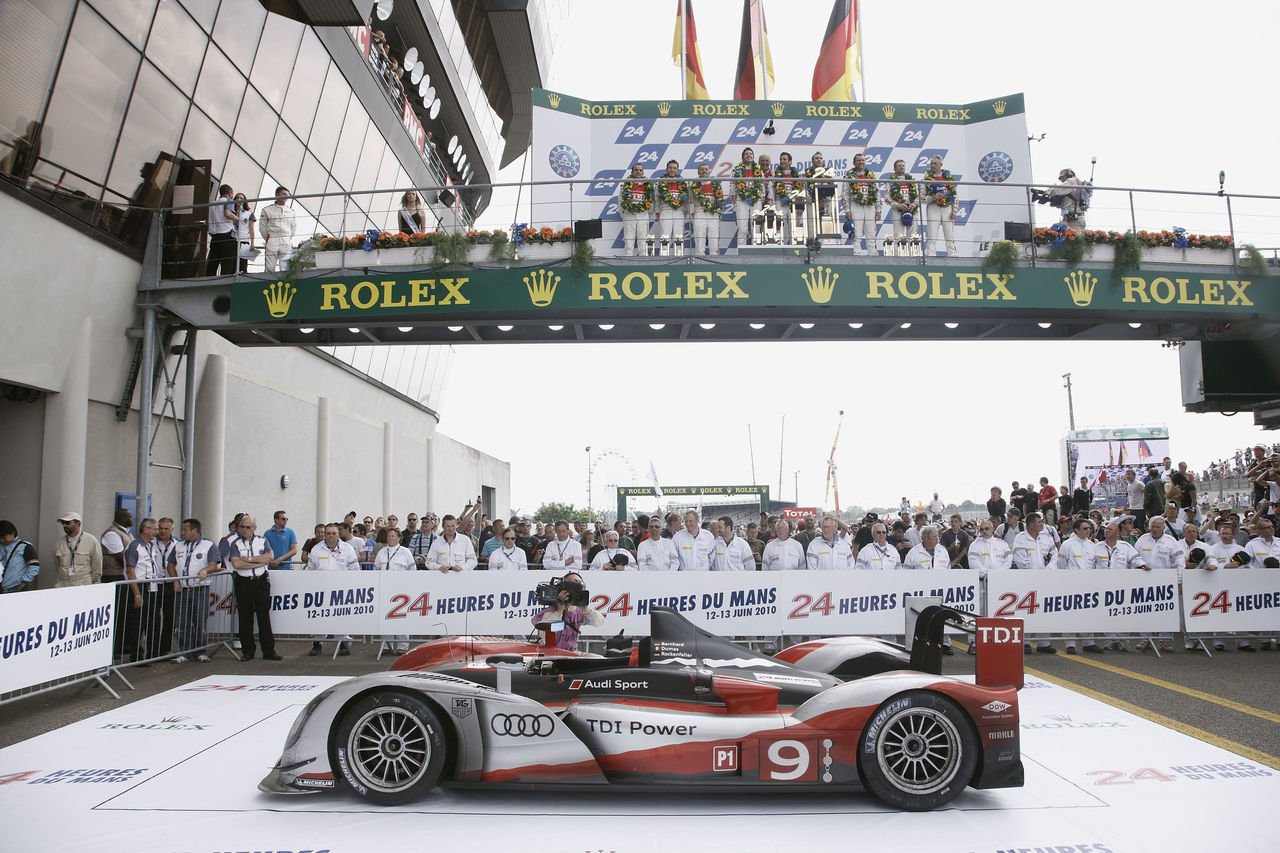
(522, 725)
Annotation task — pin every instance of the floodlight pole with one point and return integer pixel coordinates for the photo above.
(1071, 409)
(588, 479)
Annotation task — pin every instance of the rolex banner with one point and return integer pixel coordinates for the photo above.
(599, 141)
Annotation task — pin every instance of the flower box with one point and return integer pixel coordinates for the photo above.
(410, 256)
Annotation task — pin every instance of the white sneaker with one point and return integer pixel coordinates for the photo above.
(178, 659)
(203, 658)
(235, 644)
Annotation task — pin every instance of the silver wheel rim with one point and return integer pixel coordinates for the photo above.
(388, 749)
(919, 750)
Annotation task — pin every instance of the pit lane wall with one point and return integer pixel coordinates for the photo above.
(55, 633)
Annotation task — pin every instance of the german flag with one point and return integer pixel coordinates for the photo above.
(686, 42)
(755, 63)
(839, 64)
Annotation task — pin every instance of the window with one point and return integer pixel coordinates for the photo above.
(177, 45)
(256, 126)
(131, 17)
(275, 58)
(286, 157)
(329, 117)
(350, 142)
(242, 173)
(31, 34)
(238, 29)
(203, 140)
(220, 89)
(151, 126)
(204, 11)
(87, 106)
(304, 86)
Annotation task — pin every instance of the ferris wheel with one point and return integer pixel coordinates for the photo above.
(609, 468)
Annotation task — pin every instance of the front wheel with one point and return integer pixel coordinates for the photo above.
(390, 747)
(918, 751)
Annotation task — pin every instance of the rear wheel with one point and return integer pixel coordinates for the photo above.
(390, 747)
(918, 751)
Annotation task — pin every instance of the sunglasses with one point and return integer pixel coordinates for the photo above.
(508, 538)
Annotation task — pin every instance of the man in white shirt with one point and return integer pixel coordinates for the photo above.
(1079, 551)
(1115, 553)
(929, 554)
(1264, 546)
(656, 553)
(454, 552)
(1033, 548)
(878, 554)
(1195, 554)
(936, 506)
(276, 224)
(192, 560)
(1158, 550)
(829, 551)
(332, 555)
(1135, 490)
(783, 553)
(395, 558)
(563, 553)
(507, 557)
(987, 552)
(611, 557)
(249, 556)
(732, 553)
(694, 545)
(913, 533)
(1012, 526)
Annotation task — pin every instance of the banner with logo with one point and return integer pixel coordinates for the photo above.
(325, 602)
(1053, 601)
(55, 633)
(574, 138)
(1231, 600)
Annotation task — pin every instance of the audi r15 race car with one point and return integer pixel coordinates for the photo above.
(684, 709)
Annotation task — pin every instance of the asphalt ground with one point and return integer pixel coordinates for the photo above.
(1231, 700)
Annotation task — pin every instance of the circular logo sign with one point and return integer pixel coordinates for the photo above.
(995, 167)
(564, 161)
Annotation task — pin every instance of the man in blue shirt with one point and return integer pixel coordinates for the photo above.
(283, 542)
(19, 562)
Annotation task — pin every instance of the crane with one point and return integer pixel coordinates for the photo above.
(831, 467)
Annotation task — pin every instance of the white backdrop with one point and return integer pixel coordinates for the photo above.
(54, 633)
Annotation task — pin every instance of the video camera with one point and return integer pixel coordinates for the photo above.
(1043, 197)
(550, 593)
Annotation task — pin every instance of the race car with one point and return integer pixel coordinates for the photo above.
(685, 709)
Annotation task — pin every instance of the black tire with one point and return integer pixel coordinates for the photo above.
(389, 747)
(918, 751)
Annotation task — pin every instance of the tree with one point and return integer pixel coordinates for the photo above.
(560, 512)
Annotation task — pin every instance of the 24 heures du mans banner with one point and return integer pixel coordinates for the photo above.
(538, 292)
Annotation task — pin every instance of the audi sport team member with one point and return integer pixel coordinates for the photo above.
(747, 192)
(1195, 555)
(987, 552)
(395, 558)
(732, 553)
(656, 553)
(940, 205)
(904, 198)
(194, 559)
(672, 207)
(783, 553)
(930, 554)
(879, 554)
(333, 555)
(788, 195)
(249, 556)
(706, 200)
(455, 552)
(572, 615)
(1230, 553)
(1033, 548)
(635, 199)
(861, 198)
(611, 557)
(1115, 553)
(829, 551)
(694, 545)
(1079, 551)
(563, 552)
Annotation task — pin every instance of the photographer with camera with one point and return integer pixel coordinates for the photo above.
(611, 557)
(566, 600)
(1070, 196)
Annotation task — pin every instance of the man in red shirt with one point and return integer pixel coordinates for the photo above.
(1048, 501)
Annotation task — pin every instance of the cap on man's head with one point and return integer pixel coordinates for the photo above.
(69, 516)
(1224, 507)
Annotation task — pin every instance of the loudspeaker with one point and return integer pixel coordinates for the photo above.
(446, 197)
(1018, 232)
(587, 229)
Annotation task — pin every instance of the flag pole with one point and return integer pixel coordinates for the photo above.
(684, 49)
(764, 68)
(862, 69)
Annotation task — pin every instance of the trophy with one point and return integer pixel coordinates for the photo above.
(798, 208)
(822, 214)
(649, 241)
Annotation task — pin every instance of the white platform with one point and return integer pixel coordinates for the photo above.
(178, 773)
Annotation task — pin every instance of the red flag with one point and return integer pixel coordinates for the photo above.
(755, 62)
(839, 63)
(686, 43)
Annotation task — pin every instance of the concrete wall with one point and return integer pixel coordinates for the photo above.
(264, 411)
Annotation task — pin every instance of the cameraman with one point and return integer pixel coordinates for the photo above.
(1067, 196)
(572, 615)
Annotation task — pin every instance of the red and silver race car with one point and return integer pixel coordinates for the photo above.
(684, 709)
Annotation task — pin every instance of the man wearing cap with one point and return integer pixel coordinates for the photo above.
(732, 553)
(194, 558)
(249, 556)
(829, 551)
(78, 554)
(694, 545)
(783, 553)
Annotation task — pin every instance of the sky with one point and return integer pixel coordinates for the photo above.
(1163, 95)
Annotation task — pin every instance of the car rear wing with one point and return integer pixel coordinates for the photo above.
(998, 644)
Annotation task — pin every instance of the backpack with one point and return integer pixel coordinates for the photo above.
(1084, 195)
